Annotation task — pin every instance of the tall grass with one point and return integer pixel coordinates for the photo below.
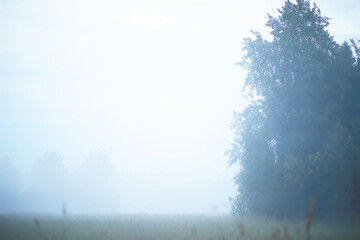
(310, 218)
(168, 227)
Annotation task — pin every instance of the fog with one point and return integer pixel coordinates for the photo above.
(125, 106)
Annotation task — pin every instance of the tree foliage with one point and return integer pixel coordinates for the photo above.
(300, 136)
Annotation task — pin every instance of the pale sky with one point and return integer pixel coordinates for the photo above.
(152, 83)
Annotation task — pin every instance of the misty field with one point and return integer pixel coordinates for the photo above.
(143, 227)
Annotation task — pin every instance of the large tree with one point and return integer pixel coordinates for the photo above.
(300, 136)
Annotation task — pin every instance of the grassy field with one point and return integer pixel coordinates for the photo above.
(163, 227)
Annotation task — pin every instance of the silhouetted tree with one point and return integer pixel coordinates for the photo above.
(300, 136)
(97, 185)
(49, 184)
(9, 186)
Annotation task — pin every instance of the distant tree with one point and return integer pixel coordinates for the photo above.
(300, 136)
(9, 186)
(49, 184)
(97, 185)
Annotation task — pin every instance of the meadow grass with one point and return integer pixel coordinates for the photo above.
(167, 227)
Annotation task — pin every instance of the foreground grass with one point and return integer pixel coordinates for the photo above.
(166, 227)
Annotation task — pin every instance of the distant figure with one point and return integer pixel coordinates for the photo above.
(37, 226)
(36, 222)
(64, 212)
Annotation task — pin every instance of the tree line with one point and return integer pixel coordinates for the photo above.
(93, 188)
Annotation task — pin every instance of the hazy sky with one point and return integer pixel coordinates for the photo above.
(152, 83)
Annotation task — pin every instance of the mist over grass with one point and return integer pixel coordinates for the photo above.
(154, 84)
(98, 187)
